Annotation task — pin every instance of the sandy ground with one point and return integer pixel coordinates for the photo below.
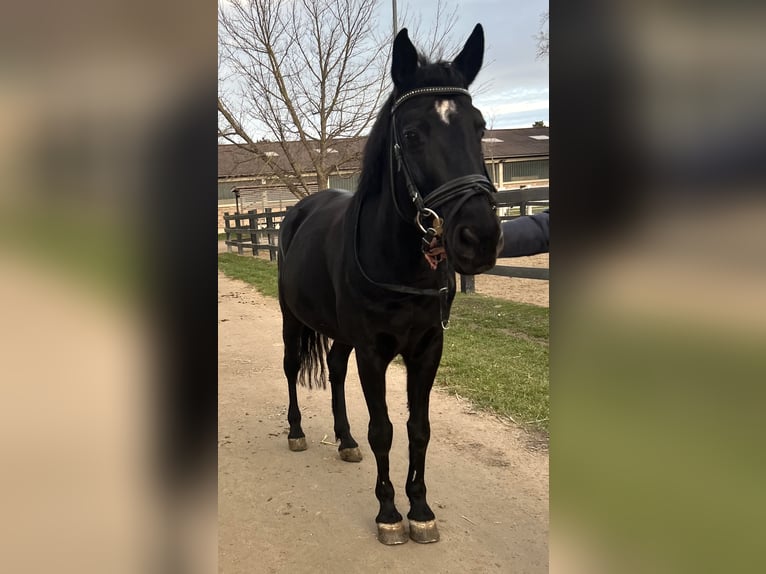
(533, 291)
(282, 511)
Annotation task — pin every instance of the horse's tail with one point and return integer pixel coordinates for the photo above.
(313, 350)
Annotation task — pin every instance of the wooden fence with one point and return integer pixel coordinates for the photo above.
(254, 231)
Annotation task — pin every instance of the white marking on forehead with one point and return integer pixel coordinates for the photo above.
(445, 108)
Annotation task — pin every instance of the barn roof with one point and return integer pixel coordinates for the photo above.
(234, 161)
(520, 142)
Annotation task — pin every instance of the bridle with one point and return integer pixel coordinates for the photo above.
(460, 189)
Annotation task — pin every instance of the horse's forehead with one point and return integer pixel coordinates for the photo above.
(445, 109)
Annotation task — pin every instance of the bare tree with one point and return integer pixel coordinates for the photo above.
(436, 42)
(307, 75)
(543, 42)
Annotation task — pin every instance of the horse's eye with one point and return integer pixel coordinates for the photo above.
(411, 137)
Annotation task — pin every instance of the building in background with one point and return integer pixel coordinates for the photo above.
(516, 158)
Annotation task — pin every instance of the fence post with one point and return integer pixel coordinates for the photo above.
(227, 229)
(269, 237)
(238, 230)
(467, 284)
(253, 237)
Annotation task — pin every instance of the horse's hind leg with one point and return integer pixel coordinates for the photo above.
(291, 335)
(337, 363)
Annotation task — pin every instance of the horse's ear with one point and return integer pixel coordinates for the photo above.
(404, 60)
(469, 60)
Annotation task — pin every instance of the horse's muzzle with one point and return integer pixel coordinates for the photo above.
(473, 229)
(473, 249)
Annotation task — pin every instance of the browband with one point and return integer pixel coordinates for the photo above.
(428, 91)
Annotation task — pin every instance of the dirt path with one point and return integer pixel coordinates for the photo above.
(532, 291)
(281, 511)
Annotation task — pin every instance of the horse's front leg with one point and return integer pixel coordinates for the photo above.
(372, 373)
(422, 363)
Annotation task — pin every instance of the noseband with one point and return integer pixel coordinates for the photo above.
(460, 189)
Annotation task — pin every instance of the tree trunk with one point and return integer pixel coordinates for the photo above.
(322, 182)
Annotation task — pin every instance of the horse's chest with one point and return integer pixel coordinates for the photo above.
(395, 316)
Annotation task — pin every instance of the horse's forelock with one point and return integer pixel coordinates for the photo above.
(441, 74)
(434, 74)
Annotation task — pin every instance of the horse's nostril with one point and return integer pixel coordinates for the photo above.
(469, 237)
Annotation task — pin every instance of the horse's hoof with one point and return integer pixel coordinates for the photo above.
(424, 532)
(350, 454)
(297, 444)
(391, 534)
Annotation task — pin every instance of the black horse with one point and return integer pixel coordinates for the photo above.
(375, 270)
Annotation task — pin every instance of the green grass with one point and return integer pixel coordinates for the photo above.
(496, 354)
(258, 272)
(495, 351)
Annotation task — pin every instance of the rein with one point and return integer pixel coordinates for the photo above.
(460, 189)
(442, 292)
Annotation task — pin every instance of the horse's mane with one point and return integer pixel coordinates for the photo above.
(376, 149)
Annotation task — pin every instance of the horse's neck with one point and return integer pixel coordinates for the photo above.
(388, 242)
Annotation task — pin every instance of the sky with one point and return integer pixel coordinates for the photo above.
(512, 88)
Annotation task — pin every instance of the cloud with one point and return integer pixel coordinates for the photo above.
(513, 108)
